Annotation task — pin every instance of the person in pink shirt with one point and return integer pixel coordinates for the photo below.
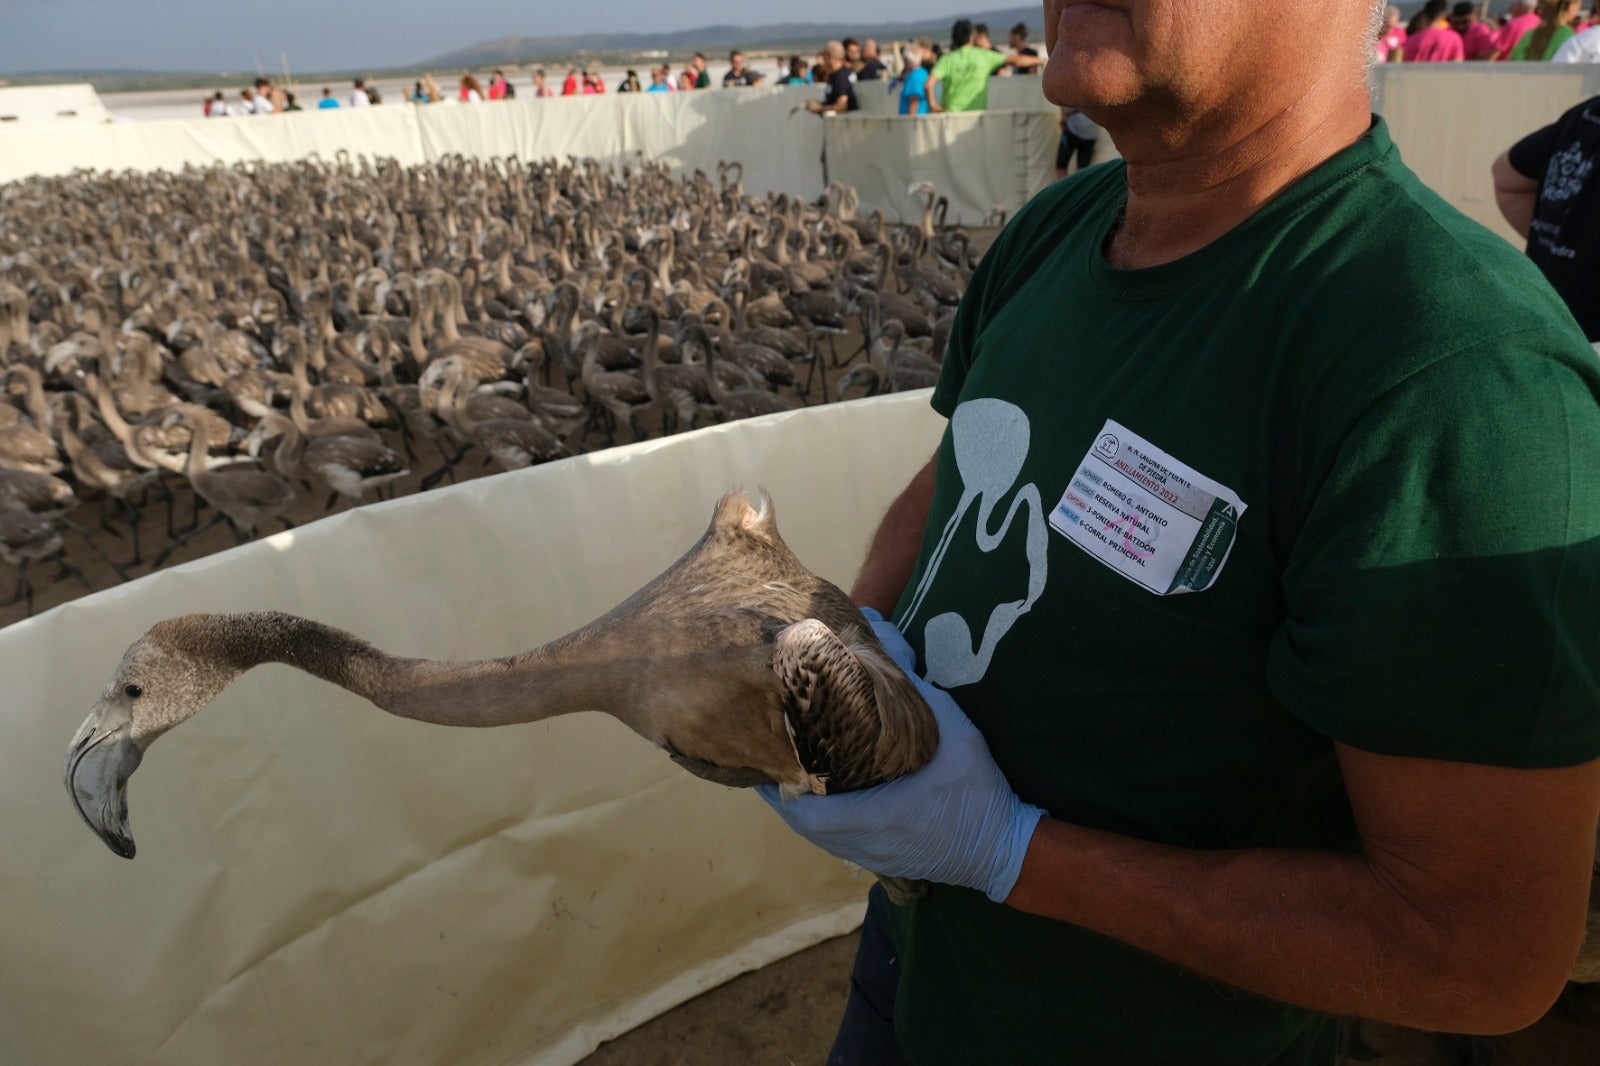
(569, 87)
(497, 86)
(1391, 36)
(1437, 43)
(1522, 20)
(1477, 39)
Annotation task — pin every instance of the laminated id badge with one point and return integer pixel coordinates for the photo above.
(1151, 518)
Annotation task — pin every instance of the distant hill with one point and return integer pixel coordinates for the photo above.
(712, 39)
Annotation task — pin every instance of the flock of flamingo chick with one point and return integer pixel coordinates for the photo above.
(245, 335)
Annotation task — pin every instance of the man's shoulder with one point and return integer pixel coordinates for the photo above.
(1385, 279)
(1387, 231)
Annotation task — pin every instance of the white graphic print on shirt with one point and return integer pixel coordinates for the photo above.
(990, 439)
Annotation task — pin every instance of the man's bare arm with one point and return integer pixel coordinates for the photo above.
(1463, 913)
(894, 548)
(1515, 194)
(818, 108)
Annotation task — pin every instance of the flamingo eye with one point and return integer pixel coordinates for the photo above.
(133, 692)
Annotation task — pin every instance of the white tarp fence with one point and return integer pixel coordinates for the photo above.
(779, 143)
(51, 105)
(1450, 121)
(980, 160)
(321, 884)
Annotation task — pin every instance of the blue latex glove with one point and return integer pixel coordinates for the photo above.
(956, 821)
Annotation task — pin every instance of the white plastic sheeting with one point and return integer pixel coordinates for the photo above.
(980, 160)
(171, 144)
(1450, 122)
(320, 883)
(779, 143)
(51, 105)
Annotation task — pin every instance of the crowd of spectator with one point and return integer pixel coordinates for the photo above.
(266, 98)
(928, 78)
(1547, 31)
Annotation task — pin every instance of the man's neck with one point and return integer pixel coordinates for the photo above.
(1182, 198)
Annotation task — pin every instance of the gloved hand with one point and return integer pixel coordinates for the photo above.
(956, 821)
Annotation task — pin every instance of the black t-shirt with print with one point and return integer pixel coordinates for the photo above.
(1564, 239)
(744, 77)
(841, 85)
(871, 70)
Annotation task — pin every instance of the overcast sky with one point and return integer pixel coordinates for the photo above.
(220, 35)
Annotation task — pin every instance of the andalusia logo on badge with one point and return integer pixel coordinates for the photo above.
(1153, 519)
(990, 439)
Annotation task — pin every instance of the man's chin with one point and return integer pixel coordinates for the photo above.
(1089, 81)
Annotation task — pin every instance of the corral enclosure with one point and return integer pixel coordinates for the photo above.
(1449, 120)
(524, 894)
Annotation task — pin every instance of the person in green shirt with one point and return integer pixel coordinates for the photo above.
(1252, 585)
(702, 77)
(963, 72)
(1554, 30)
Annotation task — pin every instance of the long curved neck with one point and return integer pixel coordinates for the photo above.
(563, 677)
(199, 443)
(292, 450)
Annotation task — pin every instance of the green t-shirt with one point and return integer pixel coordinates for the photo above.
(1407, 416)
(703, 80)
(964, 73)
(1520, 51)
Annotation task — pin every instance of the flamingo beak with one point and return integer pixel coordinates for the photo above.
(99, 762)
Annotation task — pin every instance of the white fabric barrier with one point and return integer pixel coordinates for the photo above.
(171, 144)
(1450, 121)
(981, 160)
(780, 147)
(321, 883)
(1020, 92)
(52, 105)
(779, 143)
